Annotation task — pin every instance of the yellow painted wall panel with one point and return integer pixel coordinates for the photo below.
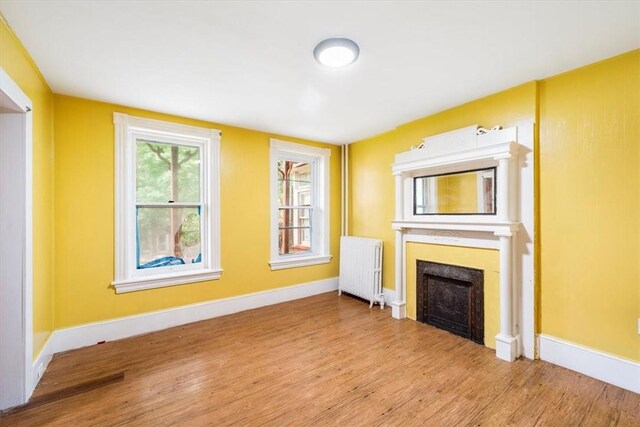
(84, 170)
(487, 260)
(17, 63)
(590, 205)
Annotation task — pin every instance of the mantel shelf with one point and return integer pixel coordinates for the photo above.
(457, 160)
(458, 224)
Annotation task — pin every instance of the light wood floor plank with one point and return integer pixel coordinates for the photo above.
(325, 361)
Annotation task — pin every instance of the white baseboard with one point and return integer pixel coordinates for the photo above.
(605, 367)
(124, 327)
(389, 296)
(40, 364)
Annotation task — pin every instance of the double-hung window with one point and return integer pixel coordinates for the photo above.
(299, 205)
(167, 204)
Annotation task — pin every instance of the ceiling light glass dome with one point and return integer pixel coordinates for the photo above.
(336, 52)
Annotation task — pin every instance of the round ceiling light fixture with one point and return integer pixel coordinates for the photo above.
(336, 52)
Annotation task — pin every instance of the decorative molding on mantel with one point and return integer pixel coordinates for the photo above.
(460, 151)
(470, 158)
(458, 224)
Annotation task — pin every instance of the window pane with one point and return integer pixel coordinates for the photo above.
(294, 240)
(295, 230)
(167, 172)
(294, 183)
(294, 217)
(168, 236)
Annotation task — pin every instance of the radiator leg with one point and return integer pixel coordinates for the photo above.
(380, 300)
(339, 292)
(371, 304)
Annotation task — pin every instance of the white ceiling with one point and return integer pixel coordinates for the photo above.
(250, 64)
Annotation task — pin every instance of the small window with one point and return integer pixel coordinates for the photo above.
(300, 205)
(167, 204)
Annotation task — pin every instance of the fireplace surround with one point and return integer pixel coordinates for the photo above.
(510, 230)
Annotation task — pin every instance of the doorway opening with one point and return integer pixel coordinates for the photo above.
(16, 349)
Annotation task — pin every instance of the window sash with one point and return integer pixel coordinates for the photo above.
(173, 141)
(311, 207)
(184, 259)
(283, 234)
(300, 211)
(168, 205)
(180, 141)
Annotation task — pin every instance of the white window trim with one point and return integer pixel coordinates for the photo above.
(320, 190)
(126, 279)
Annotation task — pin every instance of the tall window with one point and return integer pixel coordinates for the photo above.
(300, 205)
(167, 228)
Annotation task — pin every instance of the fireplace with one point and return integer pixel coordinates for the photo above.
(451, 297)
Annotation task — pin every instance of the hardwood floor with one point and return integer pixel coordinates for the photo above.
(324, 360)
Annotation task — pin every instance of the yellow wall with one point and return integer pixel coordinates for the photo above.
(483, 259)
(590, 205)
(84, 180)
(15, 60)
(371, 190)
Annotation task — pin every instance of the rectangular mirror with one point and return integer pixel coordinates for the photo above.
(459, 193)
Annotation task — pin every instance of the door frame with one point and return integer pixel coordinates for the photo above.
(17, 388)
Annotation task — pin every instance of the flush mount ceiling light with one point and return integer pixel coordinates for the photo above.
(336, 52)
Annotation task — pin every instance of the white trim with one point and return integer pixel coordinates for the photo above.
(282, 264)
(507, 346)
(41, 362)
(127, 277)
(346, 189)
(388, 295)
(474, 158)
(511, 228)
(524, 277)
(161, 126)
(472, 239)
(458, 223)
(299, 149)
(605, 367)
(157, 281)
(21, 384)
(28, 250)
(13, 91)
(124, 327)
(319, 158)
(343, 194)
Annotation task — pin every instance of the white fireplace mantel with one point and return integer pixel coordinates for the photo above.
(468, 152)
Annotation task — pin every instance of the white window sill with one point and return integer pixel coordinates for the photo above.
(299, 261)
(161, 281)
